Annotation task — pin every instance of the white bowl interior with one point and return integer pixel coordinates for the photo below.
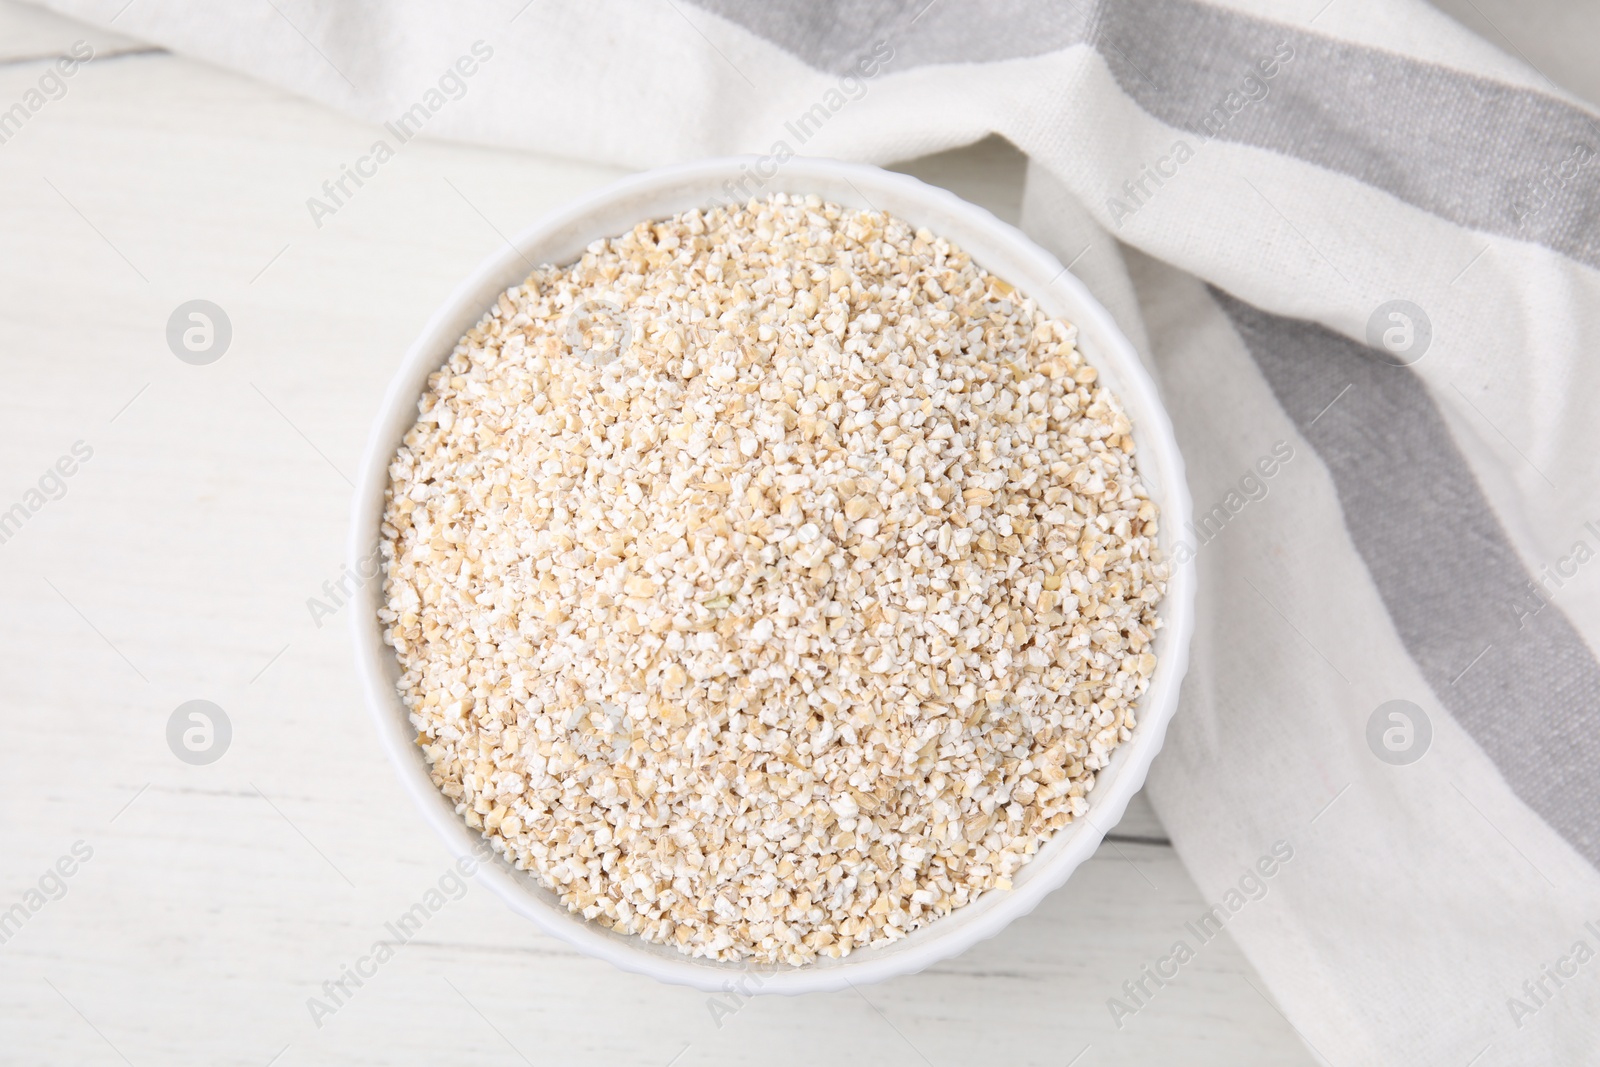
(997, 247)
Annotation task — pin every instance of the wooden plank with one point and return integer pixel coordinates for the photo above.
(33, 33)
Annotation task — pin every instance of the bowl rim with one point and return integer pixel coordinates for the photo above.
(1113, 354)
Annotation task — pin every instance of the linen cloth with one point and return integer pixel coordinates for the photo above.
(1358, 247)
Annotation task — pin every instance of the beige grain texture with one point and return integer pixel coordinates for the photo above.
(772, 581)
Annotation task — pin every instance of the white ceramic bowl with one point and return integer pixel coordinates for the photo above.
(1001, 249)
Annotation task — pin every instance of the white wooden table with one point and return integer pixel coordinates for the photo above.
(178, 564)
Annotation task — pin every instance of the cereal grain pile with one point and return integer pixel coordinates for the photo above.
(783, 598)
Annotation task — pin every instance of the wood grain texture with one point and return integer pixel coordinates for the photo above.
(177, 565)
(34, 33)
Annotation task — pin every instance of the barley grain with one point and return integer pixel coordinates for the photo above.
(799, 622)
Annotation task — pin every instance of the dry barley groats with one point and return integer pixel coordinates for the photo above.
(795, 614)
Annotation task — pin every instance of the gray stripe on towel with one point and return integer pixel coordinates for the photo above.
(1527, 689)
(1462, 147)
